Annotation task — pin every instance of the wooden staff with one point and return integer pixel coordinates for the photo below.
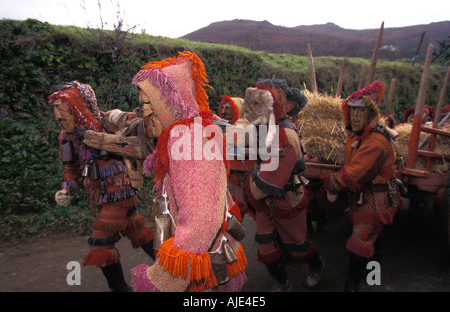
(361, 78)
(441, 98)
(389, 99)
(312, 70)
(417, 123)
(341, 78)
(436, 122)
(373, 64)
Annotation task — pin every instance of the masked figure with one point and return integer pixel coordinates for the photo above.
(199, 249)
(275, 193)
(368, 178)
(105, 179)
(230, 108)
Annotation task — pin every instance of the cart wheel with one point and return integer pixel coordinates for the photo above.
(445, 224)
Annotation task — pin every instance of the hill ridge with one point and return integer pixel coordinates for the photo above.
(325, 39)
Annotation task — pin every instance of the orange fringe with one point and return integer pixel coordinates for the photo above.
(239, 265)
(202, 277)
(103, 256)
(198, 75)
(177, 262)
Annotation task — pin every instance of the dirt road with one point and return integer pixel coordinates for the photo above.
(411, 260)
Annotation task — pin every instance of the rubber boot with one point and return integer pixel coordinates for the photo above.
(148, 249)
(115, 278)
(278, 271)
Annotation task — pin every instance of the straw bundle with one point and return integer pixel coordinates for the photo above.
(442, 146)
(321, 127)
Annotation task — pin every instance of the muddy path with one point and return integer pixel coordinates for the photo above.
(411, 260)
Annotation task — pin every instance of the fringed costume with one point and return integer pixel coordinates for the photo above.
(191, 169)
(280, 203)
(108, 186)
(368, 177)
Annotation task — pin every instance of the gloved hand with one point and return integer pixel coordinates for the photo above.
(62, 197)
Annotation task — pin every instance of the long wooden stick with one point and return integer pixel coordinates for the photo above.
(441, 97)
(417, 123)
(373, 64)
(389, 99)
(341, 78)
(312, 70)
(361, 78)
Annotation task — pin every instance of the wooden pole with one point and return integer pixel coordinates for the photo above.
(441, 98)
(312, 70)
(417, 123)
(389, 99)
(373, 64)
(361, 78)
(341, 78)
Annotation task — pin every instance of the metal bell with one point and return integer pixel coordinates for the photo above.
(85, 171)
(162, 230)
(235, 228)
(219, 267)
(94, 173)
(230, 256)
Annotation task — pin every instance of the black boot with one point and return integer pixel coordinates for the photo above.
(356, 269)
(278, 271)
(115, 278)
(148, 248)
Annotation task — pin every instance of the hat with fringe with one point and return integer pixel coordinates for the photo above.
(235, 105)
(80, 100)
(288, 102)
(369, 96)
(176, 87)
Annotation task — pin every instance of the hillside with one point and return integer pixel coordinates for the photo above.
(325, 40)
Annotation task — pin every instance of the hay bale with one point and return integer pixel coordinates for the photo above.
(442, 146)
(321, 127)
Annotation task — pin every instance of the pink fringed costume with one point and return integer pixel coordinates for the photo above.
(191, 169)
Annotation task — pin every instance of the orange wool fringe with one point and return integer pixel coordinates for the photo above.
(177, 262)
(101, 256)
(239, 265)
(198, 74)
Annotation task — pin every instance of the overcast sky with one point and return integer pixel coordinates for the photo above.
(176, 18)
